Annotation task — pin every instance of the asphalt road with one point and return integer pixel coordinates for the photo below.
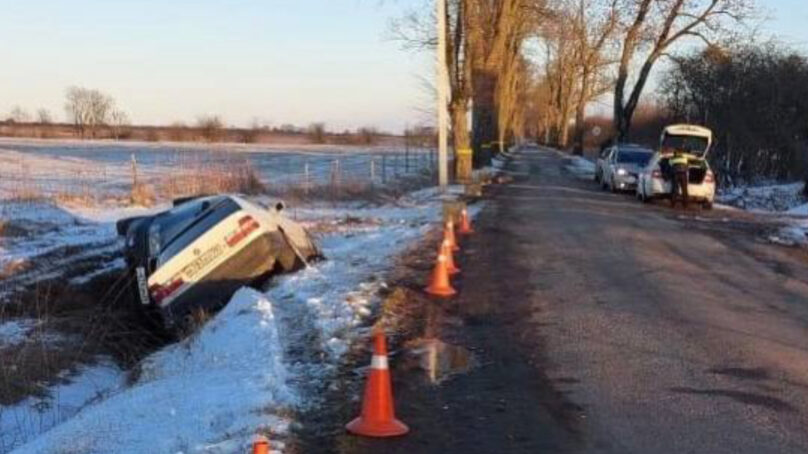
(602, 325)
(669, 331)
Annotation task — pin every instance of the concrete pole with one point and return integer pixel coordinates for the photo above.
(441, 86)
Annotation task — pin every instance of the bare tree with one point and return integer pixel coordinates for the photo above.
(652, 27)
(367, 135)
(44, 116)
(211, 127)
(594, 26)
(87, 109)
(496, 31)
(416, 30)
(119, 122)
(317, 132)
(19, 115)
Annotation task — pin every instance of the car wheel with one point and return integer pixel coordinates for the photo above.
(707, 205)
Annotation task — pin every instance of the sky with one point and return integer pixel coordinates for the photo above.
(277, 61)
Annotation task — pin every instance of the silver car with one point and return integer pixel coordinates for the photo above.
(624, 164)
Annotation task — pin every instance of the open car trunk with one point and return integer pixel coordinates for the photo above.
(695, 175)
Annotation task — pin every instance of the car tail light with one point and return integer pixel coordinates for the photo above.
(246, 225)
(709, 177)
(656, 174)
(161, 292)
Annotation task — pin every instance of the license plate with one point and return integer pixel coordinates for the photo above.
(142, 285)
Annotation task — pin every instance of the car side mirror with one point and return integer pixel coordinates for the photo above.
(280, 206)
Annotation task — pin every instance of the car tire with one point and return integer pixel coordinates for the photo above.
(707, 205)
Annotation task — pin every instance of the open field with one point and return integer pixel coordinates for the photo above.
(98, 172)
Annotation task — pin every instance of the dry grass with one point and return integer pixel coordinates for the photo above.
(73, 326)
(142, 194)
(199, 177)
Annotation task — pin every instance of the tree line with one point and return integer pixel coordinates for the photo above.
(522, 68)
(93, 114)
(755, 99)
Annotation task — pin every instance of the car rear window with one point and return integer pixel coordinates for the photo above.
(640, 158)
(203, 220)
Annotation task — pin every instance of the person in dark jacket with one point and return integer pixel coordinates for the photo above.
(679, 165)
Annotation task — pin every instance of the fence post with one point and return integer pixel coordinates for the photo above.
(306, 177)
(372, 170)
(134, 172)
(335, 177)
(407, 153)
(384, 169)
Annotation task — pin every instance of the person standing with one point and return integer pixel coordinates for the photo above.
(680, 166)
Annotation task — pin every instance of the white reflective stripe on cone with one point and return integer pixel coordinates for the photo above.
(378, 362)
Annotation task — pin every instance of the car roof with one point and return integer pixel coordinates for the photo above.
(634, 148)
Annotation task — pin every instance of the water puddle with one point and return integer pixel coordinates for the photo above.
(440, 360)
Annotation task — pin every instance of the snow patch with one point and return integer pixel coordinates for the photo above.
(30, 418)
(15, 332)
(580, 167)
(209, 393)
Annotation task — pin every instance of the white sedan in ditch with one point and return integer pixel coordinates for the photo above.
(195, 255)
(655, 180)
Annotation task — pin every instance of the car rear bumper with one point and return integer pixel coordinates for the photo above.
(697, 192)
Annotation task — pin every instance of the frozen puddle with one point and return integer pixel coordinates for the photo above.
(262, 358)
(440, 360)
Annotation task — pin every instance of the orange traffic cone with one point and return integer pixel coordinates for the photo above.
(440, 286)
(260, 445)
(448, 234)
(465, 223)
(378, 417)
(445, 249)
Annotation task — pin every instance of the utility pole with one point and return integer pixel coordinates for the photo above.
(441, 85)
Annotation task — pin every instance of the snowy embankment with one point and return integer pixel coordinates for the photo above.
(581, 167)
(255, 363)
(42, 240)
(786, 201)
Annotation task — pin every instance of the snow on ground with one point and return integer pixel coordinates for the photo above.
(24, 421)
(259, 359)
(581, 167)
(767, 198)
(104, 170)
(43, 240)
(15, 332)
(783, 200)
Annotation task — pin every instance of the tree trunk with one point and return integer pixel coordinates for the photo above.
(458, 110)
(484, 117)
(580, 113)
(564, 126)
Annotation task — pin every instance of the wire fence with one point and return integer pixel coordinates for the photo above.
(117, 174)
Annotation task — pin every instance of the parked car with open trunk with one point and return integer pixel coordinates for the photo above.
(655, 180)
